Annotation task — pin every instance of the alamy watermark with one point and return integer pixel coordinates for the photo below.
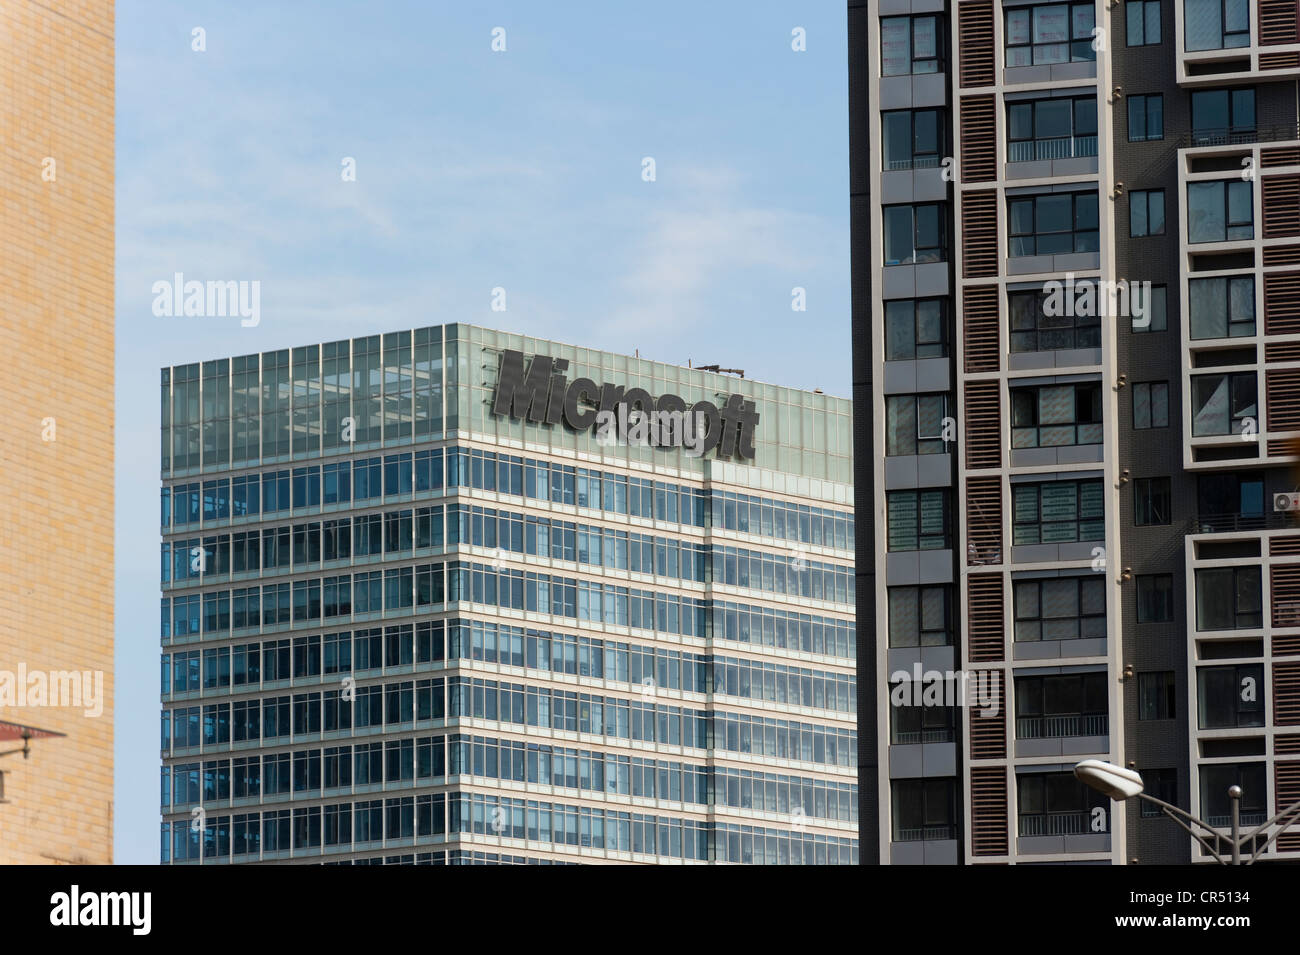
(214, 299)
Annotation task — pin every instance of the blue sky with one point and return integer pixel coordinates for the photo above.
(474, 170)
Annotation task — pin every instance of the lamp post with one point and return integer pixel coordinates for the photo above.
(1119, 784)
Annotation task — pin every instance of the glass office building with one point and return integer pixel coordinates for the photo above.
(398, 627)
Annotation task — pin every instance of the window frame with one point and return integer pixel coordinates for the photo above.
(1093, 388)
(1142, 199)
(1079, 48)
(932, 444)
(941, 238)
(917, 592)
(1082, 582)
(1145, 100)
(1157, 695)
(941, 344)
(1082, 324)
(940, 143)
(1014, 237)
(919, 536)
(1144, 6)
(1242, 619)
(937, 59)
(1230, 320)
(1251, 715)
(1075, 135)
(1150, 385)
(1146, 512)
(1235, 419)
(1017, 525)
(1228, 186)
(1162, 589)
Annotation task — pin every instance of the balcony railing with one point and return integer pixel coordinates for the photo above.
(1238, 523)
(1056, 824)
(920, 162)
(926, 834)
(934, 735)
(1248, 820)
(1238, 135)
(1056, 727)
(1062, 147)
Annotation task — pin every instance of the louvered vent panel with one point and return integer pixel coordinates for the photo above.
(1270, 158)
(1282, 393)
(1284, 594)
(983, 424)
(1281, 351)
(1281, 204)
(988, 734)
(1282, 255)
(1286, 745)
(1281, 303)
(983, 521)
(981, 328)
(979, 148)
(985, 618)
(975, 34)
(1279, 61)
(979, 234)
(1286, 644)
(988, 811)
(1287, 546)
(1277, 22)
(1286, 792)
(1286, 694)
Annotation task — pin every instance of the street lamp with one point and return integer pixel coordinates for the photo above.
(1119, 784)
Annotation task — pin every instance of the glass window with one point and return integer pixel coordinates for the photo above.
(1222, 117)
(1058, 512)
(914, 424)
(1223, 404)
(1061, 608)
(1150, 405)
(913, 138)
(1056, 416)
(1051, 128)
(1146, 117)
(1054, 224)
(909, 45)
(1161, 783)
(1216, 804)
(919, 520)
(923, 810)
(916, 328)
(1220, 211)
(1215, 24)
(1155, 598)
(1221, 307)
(1229, 598)
(915, 234)
(1149, 306)
(1151, 501)
(1230, 697)
(1143, 22)
(1049, 33)
(920, 616)
(1146, 212)
(1042, 321)
(1156, 695)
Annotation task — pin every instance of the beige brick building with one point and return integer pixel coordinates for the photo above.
(56, 432)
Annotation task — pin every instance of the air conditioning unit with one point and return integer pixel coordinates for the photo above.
(1286, 502)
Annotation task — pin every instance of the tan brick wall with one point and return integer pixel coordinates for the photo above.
(56, 341)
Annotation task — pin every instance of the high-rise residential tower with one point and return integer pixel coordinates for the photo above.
(56, 433)
(1076, 234)
(432, 597)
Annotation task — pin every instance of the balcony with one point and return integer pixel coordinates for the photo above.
(1074, 823)
(1236, 135)
(1243, 523)
(1063, 147)
(943, 734)
(1057, 727)
(926, 833)
(1248, 820)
